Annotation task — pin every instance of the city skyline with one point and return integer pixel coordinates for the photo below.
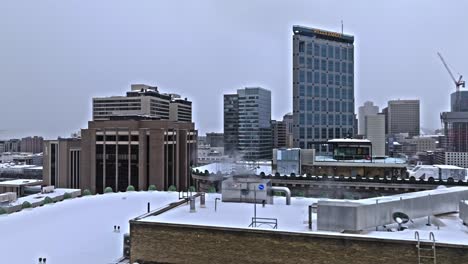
(67, 63)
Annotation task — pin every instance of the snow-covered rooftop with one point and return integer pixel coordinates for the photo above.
(294, 218)
(20, 182)
(386, 160)
(240, 167)
(75, 231)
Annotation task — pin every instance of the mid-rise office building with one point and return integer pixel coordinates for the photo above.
(231, 124)
(374, 130)
(247, 123)
(403, 116)
(366, 110)
(32, 144)
(215, 140)
(323, 87)
(143, 100)
(279, 134)
(288, 121)
(123, 151)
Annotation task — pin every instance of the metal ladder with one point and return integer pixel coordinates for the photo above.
(422, 249)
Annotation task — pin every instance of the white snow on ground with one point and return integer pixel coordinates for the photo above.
(294, 218)
(78, 230)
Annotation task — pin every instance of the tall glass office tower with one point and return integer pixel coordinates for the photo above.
(323, 87)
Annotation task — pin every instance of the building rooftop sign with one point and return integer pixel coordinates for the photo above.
(323, 34)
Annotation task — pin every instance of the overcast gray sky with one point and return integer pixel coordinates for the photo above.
(56, 55)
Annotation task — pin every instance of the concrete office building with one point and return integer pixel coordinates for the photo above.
(61, 163)
(365, 110)
(12, 145)
(215, 140)
(323, 87)
(231, 124)
(279, 134)
(403, 116)
(143, 100)
(32, 144)
(289, 123)
(459, 159)
(247, 123)
(374, 130)
(123, 151)
(2, 146)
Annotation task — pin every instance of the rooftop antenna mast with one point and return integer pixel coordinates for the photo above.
(342, 27)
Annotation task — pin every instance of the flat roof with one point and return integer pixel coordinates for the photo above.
(20, 182)
(74, 231)
(294, 218)
(349, 140)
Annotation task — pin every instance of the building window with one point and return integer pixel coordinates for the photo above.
(301, 133)
(343, 67)
(309, 77)
(316, 133)
(330, 51)
(324, 106)
(301, 105)
(330, 79)
(324, 92)
(316, 50)
(316, 64)
(323, 78)
(316, 77)
(301, 46)
(309, 91)
(317, 91)
(316, 105)
(309, 63)
(309, 133)
(337, 79)
(323, 65)
(309, 106)
(331, 94)
(330, 66)
(301, 90)
(309, 48)
(344, 53)
(330, 120)
(350, 68)
(301, 76)
(316, 119)
(324, 120)
(324, 51)
(301, 60)
(337, 122)
(337, 105)
(301, 119)
(337, 66)
(337, 53)
(330, 107)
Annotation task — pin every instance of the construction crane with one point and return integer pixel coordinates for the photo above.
(458, 84)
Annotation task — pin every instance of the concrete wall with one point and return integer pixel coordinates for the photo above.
(165, 243)
(464, 211)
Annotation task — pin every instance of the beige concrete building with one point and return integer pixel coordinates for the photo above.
(143, 100)
(116, 153)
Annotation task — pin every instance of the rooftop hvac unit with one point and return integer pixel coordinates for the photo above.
(247, 189)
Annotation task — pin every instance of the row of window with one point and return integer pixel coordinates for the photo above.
(323, 133)
(325, 50)
(325, 106)
(326, 119)
(324, 78)
(326, 65)
(326, 92)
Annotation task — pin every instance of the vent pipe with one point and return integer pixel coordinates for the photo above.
(284, 190)
(192, 204)
(202, 200)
